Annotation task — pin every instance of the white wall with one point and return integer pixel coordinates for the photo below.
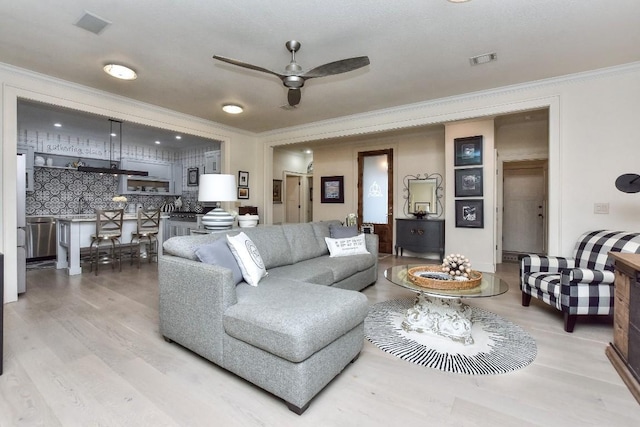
(477, 244)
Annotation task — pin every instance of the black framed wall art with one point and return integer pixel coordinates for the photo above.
(277, 191)
(470, 213)
(332, 189)
(468, 151)
(468, 182)
(243, 179)
(243, 192)
(193, 175)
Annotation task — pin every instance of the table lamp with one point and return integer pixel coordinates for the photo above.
(217, 188)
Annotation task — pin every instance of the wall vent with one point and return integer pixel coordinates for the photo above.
(483, 59)
(92, 23)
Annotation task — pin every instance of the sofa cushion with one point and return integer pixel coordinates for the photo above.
(347, 246)
(340, 232)
(272, 244)
(302, 242)
(305, 271)
(293, 319)
(343, 267)
(321, 230)
(219, 253)
(248, 257)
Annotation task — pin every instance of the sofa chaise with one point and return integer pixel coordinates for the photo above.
(293, 332)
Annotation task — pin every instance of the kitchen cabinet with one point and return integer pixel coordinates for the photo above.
(420, 235)
(162, 178)
(212, 162)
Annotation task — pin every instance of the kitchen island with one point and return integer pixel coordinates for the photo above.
(74, 233)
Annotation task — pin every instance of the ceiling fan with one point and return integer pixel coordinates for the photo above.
(293, 77)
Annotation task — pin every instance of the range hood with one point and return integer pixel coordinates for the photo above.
(113, 170)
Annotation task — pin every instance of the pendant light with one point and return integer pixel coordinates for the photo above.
(113, 169)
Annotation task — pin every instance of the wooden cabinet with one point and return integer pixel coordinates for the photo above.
(420, 235)
(624, 352)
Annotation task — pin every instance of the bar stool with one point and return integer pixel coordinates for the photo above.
(108, 230)
(147, 230)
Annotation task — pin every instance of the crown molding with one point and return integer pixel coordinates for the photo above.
(422, 113)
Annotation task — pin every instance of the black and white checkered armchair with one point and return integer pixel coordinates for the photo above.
(582, 285)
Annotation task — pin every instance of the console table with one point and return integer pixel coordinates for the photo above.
(624, 352)
(420, 235)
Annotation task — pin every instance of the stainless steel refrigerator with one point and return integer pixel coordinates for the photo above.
(22, 223)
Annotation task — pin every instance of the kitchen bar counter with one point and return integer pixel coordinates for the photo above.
(74, 233)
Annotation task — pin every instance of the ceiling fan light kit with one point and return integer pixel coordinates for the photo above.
(294, 77)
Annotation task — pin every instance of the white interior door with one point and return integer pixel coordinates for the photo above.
(524, 210)
(292, 192)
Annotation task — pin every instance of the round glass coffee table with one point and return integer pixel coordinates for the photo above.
(441, 311)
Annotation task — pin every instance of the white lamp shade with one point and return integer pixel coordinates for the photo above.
(215, 187)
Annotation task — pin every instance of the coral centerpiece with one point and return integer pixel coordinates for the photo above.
(456, 265)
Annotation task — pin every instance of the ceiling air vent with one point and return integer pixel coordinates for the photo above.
(483, 59)
(92, 23)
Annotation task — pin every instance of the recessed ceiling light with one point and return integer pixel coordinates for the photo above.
(232, 108)
(178, 137)
(458, 1)
(113, 134)
(58, 125)
(120, 72)
(158, 142)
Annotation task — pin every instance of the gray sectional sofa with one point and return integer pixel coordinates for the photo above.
(290, 335)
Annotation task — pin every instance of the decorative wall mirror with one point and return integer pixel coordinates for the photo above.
(423, 195)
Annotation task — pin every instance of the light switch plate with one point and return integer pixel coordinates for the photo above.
(601, 208)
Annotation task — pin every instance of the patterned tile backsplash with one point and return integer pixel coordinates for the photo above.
(65, 191)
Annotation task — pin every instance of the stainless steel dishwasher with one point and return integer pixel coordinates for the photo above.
(40, 236)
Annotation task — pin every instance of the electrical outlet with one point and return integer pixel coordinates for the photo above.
(601, 208)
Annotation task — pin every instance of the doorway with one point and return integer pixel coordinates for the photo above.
(524, 227)
(375, 195)
(292, 199)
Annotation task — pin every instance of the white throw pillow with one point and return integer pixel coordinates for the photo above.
(347, 246)
(248, 258)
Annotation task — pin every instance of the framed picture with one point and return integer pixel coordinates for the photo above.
(470, 213)
(243, 179)
(468, 151)
(469, 182)
(243, 192)
(193, 174)
(332, 189)
(277, 191)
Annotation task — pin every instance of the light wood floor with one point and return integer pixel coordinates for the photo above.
(85, 351)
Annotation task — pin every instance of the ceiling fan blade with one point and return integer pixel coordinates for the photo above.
(245, 65)
(337, 67)
(293, 96)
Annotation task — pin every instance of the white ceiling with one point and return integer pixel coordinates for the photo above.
(419, 49)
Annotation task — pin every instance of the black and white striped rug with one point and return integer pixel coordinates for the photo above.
(500, 346)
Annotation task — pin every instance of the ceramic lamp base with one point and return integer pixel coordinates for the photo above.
(217, 219)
